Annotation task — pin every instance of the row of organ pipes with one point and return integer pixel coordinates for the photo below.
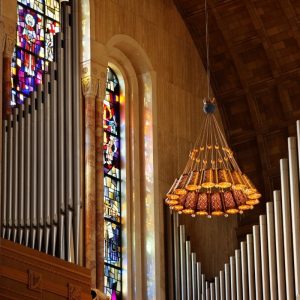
(40, 171)
(267, 264)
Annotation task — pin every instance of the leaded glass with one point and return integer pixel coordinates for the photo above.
(38, 22)
(52, 27)
(112, 247)
(27, 71)
(30, 33)
(112, 281)
(111, 153)
(52, 9)
(111, 113)
(112, 187)
(112, 199)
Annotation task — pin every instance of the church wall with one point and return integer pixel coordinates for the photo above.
(181, 85)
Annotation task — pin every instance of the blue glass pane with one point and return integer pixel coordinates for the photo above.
(112, 243)
(112, 282)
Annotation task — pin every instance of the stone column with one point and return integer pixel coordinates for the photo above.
(10, 43)
(90, 86)
(94, 83)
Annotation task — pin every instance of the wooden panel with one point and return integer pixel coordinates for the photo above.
(29, 274)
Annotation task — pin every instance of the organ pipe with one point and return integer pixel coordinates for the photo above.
(238, 274)
(182, 262)
(40, 175)
(176, 255)
(287, 229)
(250, 264)
(279, 246)
(194, 276)
(295, 214)
(188, 270)
(257, 263)
(21, 153)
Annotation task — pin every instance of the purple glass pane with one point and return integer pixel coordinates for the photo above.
(111, 155)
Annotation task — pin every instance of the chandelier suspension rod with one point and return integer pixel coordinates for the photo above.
(207, 50)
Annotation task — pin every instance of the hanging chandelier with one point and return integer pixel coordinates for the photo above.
(212, 183)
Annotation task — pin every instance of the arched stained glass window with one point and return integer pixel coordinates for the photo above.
(38, 21)
(112, 188)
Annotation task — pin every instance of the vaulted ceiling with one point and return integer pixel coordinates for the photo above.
(255, 68)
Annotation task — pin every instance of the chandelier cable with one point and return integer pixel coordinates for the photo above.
(207, 51)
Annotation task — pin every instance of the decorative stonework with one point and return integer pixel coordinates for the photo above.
(74, 292)
(90, 86)
(34, 281)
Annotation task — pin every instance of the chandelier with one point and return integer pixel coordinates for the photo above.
(212, 183)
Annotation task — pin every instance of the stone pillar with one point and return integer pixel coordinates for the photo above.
(10, 43)
(90, 88)
(94, 83)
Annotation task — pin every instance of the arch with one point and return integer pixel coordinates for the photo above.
(143, 226)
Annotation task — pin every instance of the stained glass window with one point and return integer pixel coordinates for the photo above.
(112, 188)
(38, 22)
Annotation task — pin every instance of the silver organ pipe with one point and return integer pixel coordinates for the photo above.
(227, 281)
(33, 175)
(182, 262)
(194, 276)
(238, 274)
(176, 256)
(250, 260)
(295, 213)
(203, 288)
(217, 288)
(279, 246)
(232, 278)
(287, 229)
(198, 281)
(15, 173)
(212, 291)
(188, 270)
(271, 250)
(21, 175)
(27, 169)
(40, 182)
(257, 263)
(244, 270)
(222, 285)
(9, 177)
(47, 175)
(40, 167)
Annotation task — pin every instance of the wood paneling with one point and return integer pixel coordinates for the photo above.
(28, 274)
(255, 56)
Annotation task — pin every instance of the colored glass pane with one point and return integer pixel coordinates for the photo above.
(112, 187)
(111, 113)
(52, 9)
(30, 32)
(37, 24)
(112, 281)
(112, 199)
(27, 72)
(37, 5)
(112, 244)
(111, 155)
(52, 27)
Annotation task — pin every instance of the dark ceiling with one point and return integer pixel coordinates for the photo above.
(255, 68)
